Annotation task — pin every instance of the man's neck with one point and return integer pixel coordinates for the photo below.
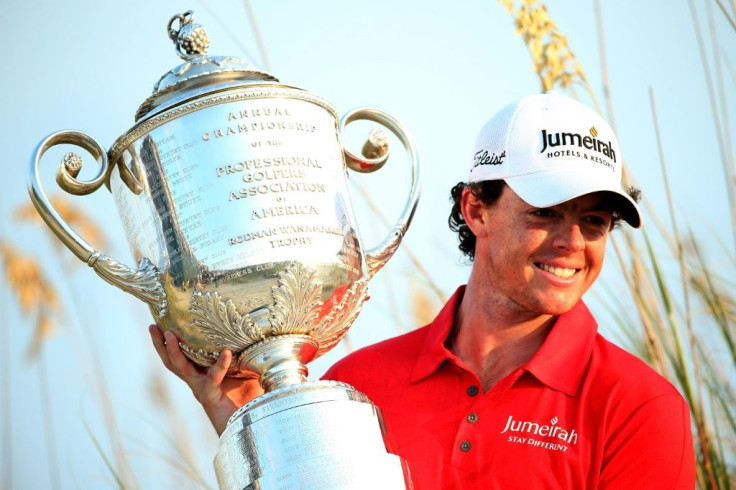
(494, 339)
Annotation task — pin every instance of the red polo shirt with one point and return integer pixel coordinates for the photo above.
(582, 413)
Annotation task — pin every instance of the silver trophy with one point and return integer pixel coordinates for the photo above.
(232, 189)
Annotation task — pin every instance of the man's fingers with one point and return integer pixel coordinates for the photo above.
(167, 347)
(159, 344)
(180, 364)
(218, 370)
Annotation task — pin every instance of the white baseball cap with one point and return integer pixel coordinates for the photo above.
(549, 149)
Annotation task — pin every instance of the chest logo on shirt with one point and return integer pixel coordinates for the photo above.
(549, 436)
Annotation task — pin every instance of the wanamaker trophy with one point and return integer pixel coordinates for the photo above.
(232, 189)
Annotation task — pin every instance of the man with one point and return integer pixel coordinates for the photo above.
(511, 386)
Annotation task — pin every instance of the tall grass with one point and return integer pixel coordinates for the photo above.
(684, 307)
(74, 297)
(37, 300)
(40, 300)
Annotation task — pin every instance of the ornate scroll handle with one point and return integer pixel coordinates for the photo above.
(144, 282)
(376, 149)
(131, 176)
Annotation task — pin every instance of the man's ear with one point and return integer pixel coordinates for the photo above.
(473, 213)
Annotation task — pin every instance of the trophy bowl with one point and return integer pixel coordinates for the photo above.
(232, 189)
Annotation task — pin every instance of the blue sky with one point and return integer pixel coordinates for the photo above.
(441, 68)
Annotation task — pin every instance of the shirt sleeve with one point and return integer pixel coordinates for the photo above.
(330, 374)
(652, 448)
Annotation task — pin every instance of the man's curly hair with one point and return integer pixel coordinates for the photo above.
(488, 192)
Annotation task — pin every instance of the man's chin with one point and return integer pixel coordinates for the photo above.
(557, 307)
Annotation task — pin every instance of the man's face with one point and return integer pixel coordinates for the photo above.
(540, 261)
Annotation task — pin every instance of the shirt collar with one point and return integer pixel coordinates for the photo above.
(433, 351)
(560, 363)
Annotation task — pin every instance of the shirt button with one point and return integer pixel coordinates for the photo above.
(472, 390)
(465, 446)
(472, 417)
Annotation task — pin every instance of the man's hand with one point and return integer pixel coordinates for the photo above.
(220, 396)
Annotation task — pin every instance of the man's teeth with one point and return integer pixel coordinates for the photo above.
(558, 271)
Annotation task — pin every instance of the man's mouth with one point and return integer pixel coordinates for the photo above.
(560, 272)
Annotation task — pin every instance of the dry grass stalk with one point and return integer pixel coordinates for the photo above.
(416, 263)
(86, 227)
(82, 223)
(728, 171)
(36, 296)
(652, 351)
(38, 299)
(236, 38)
(693, 390)
(347, 343)
(257, 34)
(6, 408)
(723, 126)
(554, 62)
(726, 14)
(423, 306)
(184, 460)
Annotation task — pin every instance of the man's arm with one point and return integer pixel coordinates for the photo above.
(653, 448)
(220, 396)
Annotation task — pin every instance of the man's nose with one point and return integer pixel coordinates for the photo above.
(569, 236)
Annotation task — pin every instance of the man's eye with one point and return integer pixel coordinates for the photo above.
(598, 220)
(543, 212)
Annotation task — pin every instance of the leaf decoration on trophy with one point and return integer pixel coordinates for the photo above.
(296, 309)
(144, 283)
(221, 323)
(249, 330)
(334, 326)
(296, 301)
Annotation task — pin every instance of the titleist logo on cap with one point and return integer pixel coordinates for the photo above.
(482, 157)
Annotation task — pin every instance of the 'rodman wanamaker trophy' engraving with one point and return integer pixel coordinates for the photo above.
(232, 189)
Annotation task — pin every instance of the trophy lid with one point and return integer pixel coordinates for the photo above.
(200, 73)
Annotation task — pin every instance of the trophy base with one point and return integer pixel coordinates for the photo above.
(318, 435)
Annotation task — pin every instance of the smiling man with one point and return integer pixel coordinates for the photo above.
(511, 386)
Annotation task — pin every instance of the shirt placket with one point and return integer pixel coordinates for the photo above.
(472, 445)
(467, 443)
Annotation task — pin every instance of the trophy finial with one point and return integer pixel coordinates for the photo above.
(200, 73)
(190, 38)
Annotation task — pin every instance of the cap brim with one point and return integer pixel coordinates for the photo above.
(554, 186)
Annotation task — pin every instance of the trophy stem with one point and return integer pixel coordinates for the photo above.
(284, 374)
(280, 361)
